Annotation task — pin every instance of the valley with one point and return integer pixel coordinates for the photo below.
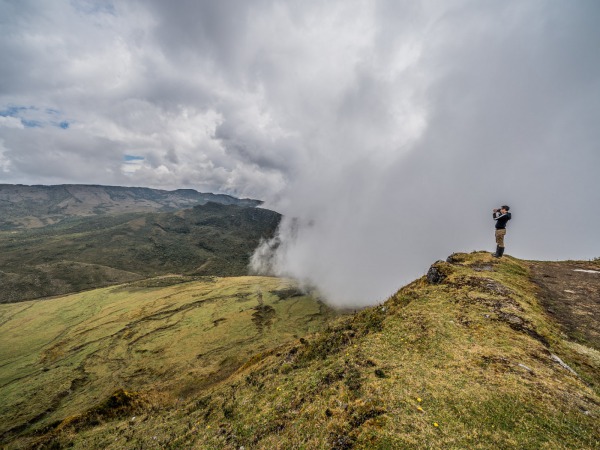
(85, 253)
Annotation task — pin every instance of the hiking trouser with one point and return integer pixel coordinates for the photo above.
(500, 237)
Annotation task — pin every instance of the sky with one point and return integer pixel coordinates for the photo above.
(385, 131)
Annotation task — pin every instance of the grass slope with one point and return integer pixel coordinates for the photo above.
(174, 336)
(465, 360)
(79, 254)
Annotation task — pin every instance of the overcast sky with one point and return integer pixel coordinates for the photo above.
(385, 131)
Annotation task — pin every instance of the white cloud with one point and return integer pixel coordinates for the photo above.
(11, 122)
(4, 161)
(389, 128)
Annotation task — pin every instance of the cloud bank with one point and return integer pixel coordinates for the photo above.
(384, 131)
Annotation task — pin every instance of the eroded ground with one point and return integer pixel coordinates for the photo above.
(570, 293)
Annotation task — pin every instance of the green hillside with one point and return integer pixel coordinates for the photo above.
(169, 338)
(464, 358)
(79, 254)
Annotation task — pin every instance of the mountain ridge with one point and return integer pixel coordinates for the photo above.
(35, 206)
(81, 253)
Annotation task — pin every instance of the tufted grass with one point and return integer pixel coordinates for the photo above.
(62, 356)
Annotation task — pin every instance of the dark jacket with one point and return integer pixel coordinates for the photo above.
(501, 220)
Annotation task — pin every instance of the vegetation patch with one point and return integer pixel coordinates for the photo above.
(86, 359)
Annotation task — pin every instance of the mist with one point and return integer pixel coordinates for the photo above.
(384, 131)
(499, 108)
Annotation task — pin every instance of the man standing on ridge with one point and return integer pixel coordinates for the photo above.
(501, 216)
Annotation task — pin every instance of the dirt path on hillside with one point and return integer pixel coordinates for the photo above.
(570, 293)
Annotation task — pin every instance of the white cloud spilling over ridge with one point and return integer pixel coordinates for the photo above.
(486, 104)
(384, 131)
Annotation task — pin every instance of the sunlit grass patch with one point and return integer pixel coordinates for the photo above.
(66, 355)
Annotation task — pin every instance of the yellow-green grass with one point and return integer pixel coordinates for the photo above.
(466, 363)
(62, 356)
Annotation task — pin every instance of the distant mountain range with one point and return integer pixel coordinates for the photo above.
(68, 238)
(86, 252)
(23, 206)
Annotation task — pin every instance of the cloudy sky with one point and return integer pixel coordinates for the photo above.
(385, 131)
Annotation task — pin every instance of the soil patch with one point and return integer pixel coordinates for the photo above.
(570, 293)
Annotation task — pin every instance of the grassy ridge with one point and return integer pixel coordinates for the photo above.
(465, 360)
(169, 335)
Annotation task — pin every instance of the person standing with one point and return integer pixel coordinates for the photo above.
(501, 216)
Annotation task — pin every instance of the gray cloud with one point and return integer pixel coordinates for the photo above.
(388, 129)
